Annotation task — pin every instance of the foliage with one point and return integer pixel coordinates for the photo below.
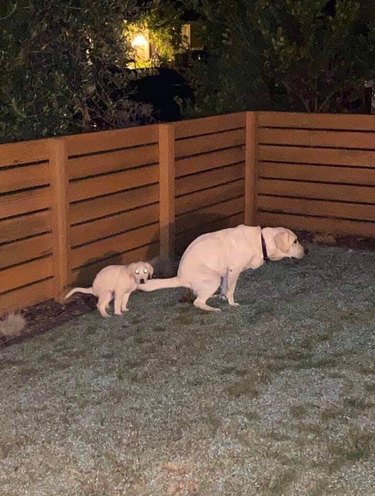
(319, 58)
(305, 55)
(60, 68)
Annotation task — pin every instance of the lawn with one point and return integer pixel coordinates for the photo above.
(275, 397)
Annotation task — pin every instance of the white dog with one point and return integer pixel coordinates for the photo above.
(220, 257)
(116, 281)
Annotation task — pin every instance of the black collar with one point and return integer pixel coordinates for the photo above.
(264, 248)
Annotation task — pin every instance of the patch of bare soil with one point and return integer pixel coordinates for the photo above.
(49, 314)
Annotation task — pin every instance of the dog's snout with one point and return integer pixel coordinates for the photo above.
(142, 281)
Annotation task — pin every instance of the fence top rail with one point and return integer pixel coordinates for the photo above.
(101, 141)
(207, 125)
(339, 122)
(24, 152)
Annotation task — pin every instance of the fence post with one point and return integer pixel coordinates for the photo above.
(167, 189)
(59, 210)
(251, 166)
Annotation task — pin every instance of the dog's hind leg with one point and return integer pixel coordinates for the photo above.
(103, 302)
(205, 292)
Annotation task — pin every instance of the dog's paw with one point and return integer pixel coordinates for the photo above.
(234, 304)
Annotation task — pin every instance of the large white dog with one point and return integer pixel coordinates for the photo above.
(218, 258)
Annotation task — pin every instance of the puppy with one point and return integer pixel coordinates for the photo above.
(116, 281)
(218, 258)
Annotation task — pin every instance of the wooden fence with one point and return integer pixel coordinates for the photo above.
(71, 205)
(316, 172)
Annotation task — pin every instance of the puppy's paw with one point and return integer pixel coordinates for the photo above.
(234, 304)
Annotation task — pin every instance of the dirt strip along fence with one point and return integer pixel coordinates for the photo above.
(71, 205)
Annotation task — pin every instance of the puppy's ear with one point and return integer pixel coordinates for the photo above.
(150, 269)
(130, 269)
(282, 241)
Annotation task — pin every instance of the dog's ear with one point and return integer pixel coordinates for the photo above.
(130, 269)
(150, 269)
(282, 241)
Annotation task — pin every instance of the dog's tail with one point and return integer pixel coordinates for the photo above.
(153, 284)
(79, 290)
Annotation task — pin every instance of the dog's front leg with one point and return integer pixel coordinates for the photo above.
(118, 302)
(124, 305)
(232, 278)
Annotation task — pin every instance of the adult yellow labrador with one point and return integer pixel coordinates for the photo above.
(218, 258)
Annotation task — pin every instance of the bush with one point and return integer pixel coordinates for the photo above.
(61, 64)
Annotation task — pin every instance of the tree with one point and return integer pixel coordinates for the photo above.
(304, 55)
(60, 65)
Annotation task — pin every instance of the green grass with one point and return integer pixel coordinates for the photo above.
(272, 398)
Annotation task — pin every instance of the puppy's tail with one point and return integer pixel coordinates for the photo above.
(153, 284)
(79, 290)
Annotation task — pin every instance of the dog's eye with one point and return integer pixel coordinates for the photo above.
(295, 241)
(137, 271)
(145, 271)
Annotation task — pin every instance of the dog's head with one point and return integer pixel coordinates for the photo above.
(285, 243)
(140, 271)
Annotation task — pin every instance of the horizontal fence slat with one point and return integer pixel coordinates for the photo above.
(85, 276)
(317, 208)
(26, 273)
(320, 191)
(316, 138)
(24, 153)
(112, 183)
(109, 226)
(324, 156)
(209, 214)
(24, 226)
(116, 244)
(112, 161)
(208, 179)
(81, 144)
(209, 142)
(317, 224)
(25, 202)
(206, 125)
(108, 205)
(318, 173)
(200, 199)
(25, 250)
(317, 121)
(184, 239)
(25, 296)
(24, 177)
(211, 160)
